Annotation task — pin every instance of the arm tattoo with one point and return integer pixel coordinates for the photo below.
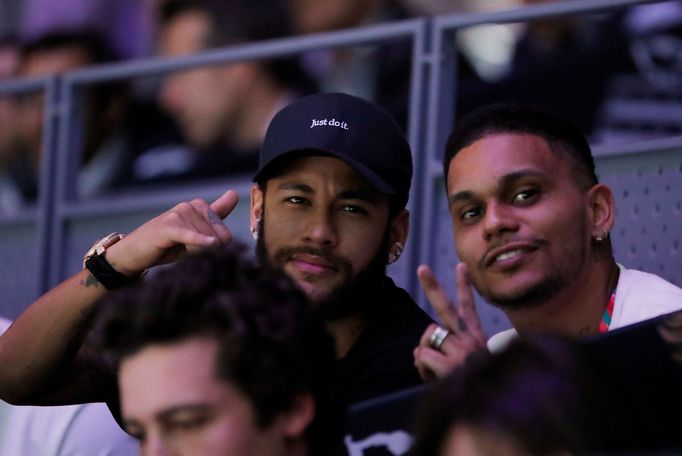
(90, 281)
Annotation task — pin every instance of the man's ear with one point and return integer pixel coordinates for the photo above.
(601, 210)
(400, 227)
(296, 420)
(256, 208)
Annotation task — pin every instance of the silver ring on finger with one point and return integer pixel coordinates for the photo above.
(438, 337)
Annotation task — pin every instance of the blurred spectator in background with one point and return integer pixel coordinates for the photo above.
(54, 54)
(646, 101)
(222, 110)
(126, 24)
(562, 64)
(112, 127)
(9, 55)
(311, 16)
(434, 7)
(380, 72)
(616, 75)
(542, 395)
(115, 127)
(73, 430)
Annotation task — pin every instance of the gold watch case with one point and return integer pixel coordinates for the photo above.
(101, 245)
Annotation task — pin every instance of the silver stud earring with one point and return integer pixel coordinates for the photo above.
(254, 229)
(601, 235)
(395, 254)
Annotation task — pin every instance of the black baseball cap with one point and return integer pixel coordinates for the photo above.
(346, 127)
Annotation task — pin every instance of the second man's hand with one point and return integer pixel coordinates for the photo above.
(461, 320)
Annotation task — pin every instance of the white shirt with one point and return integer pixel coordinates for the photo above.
(72, 430)
(639, 296)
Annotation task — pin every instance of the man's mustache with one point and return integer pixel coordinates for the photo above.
(337, 262)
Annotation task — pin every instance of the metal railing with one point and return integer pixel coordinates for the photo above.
(430, 117)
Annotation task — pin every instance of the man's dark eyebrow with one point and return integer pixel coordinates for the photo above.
(295, 186)
(510, 178)
(364, 194)
(367, 195)
(505, 181)
(460, 196)
(181, 408)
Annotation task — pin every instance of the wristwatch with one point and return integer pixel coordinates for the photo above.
(95, 261)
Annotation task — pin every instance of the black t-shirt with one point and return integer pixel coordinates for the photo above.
(380, 361)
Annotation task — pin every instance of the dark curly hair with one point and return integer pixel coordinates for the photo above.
(561, 134)
(271, 344)
(546, 393)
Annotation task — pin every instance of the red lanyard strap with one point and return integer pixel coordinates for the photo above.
(608, 313)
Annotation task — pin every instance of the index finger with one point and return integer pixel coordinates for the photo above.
(225, 204)
(440, 301)
(465, 300)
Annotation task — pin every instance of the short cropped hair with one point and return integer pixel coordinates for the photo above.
(272, 346)
(562, 135)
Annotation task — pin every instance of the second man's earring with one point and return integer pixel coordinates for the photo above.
(255, 228)
(601, 235)
(395, 253)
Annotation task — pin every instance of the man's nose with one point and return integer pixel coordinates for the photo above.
(498, 219)
(321, 228)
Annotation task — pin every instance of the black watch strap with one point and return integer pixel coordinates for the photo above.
(105, 274)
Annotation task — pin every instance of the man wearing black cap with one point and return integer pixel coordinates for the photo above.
(327, 207)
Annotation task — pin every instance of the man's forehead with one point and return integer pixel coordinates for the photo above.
(150, 379)
(56, 60)
(316, 170)
(502, 151)
(184, 34)
(496, 156)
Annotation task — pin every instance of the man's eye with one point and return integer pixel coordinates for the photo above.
(135, 430)
(470, 214)
(353, 209)
(137, 434)
(525, 195)
(188, 424)
(297, 200)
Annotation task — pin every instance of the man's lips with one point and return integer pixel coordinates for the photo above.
(312, 264)
(507, 253)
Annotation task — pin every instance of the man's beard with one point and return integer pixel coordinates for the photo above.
(357, 295)
(531, 297)
(559, 278)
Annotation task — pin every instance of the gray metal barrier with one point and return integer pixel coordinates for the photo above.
(43, 245)
(25, 236)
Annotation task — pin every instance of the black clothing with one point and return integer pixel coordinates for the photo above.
(380, 361)
(570, 78)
